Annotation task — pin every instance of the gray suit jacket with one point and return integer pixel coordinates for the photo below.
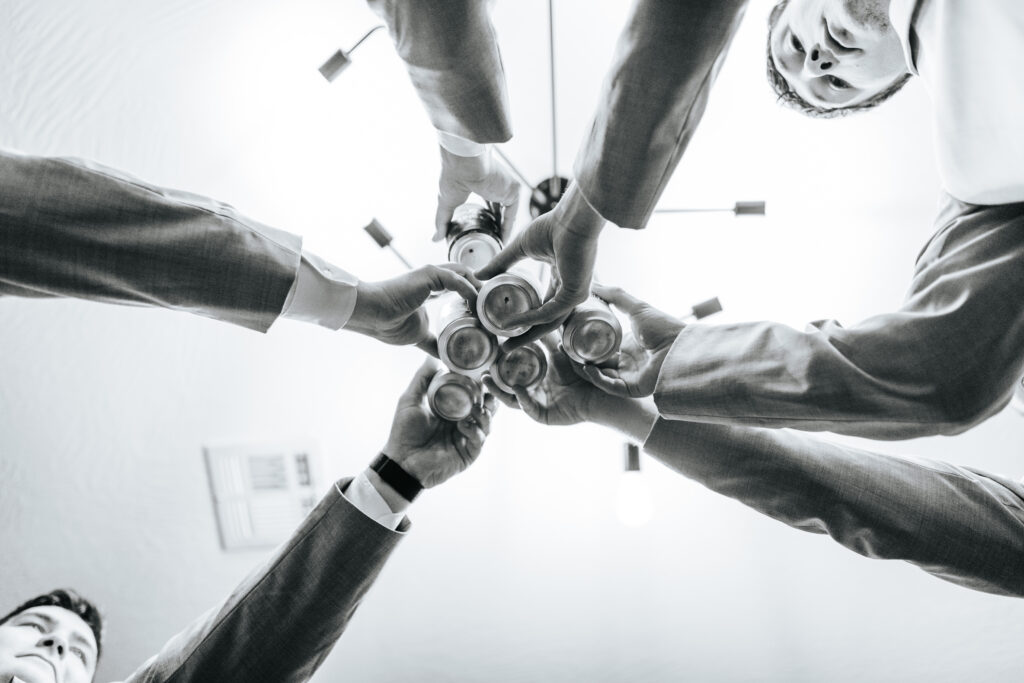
(653, 97)
(946, 360)
(957, 523)
(74, 228)
(281, 622)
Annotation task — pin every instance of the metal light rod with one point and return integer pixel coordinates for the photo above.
(383, 239)
(756, 208)
(515, 170)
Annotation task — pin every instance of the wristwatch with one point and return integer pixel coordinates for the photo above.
(394, 476)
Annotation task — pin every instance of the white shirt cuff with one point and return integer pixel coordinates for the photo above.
(460, 146)
(367, 500)
(322, 294)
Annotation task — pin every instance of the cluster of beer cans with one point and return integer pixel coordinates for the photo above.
(469, 337)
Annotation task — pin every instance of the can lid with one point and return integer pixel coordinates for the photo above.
(595, 340)
(504, 298)
(453, 402)
(474, 249)
(469, 348)
(521, 367)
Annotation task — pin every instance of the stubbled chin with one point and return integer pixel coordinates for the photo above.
(871, 14)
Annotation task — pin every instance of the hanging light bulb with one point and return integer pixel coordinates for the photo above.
(634, 502)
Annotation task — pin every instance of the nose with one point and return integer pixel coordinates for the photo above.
(54, 644)
(819, 60)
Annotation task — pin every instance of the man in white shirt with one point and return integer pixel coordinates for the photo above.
(281, 621)
(830, 57)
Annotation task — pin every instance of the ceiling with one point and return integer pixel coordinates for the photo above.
(516, 570)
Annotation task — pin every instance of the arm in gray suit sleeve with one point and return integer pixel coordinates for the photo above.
(451, 53)
(653, 98)
(281, 622)
(73, 228)
(945, 361)
(956, 523)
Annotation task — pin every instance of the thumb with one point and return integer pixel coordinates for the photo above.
(503, 260)
(449, 198)
(417, 389)
(619, 297)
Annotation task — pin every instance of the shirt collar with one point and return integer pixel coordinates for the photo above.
(901, 14)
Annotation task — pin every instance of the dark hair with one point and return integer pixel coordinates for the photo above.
(791, 99)
(72, 602)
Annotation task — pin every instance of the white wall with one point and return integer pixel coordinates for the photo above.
(518, 569)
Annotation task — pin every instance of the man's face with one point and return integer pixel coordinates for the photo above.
(837, 53)
(47, 645)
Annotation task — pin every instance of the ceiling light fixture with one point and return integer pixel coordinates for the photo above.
(340, 60)
(634, 502)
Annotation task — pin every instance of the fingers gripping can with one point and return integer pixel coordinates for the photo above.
(462, 342)
(521, 367)
(474, 236)
(592, 333)
(451, 396)
(512, 292)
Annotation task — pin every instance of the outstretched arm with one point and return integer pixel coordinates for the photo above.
(451, 53)
(946, 360)
(281, 622)
(73, 228)
(653, 98)
(958, 524)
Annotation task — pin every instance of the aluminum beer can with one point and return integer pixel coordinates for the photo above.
(511, 292)
(462, 342)
(474, 236)
(592, 333)
(524, 367)
(451, 396)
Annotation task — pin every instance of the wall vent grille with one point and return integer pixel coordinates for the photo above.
(261, 491)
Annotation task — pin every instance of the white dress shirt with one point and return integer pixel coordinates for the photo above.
(970, 56)
(367, 500)
(321, 293)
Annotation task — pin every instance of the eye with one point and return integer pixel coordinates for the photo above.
(837, 83)
(796, 44)
(32, 624)
(80, 654)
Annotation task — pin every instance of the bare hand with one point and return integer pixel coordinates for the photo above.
(392, 310)
(635, 372)
(565, 237)
(429, 448)
(562, 398)
(482, 175)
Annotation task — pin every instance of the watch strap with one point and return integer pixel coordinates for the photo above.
(397, 478)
